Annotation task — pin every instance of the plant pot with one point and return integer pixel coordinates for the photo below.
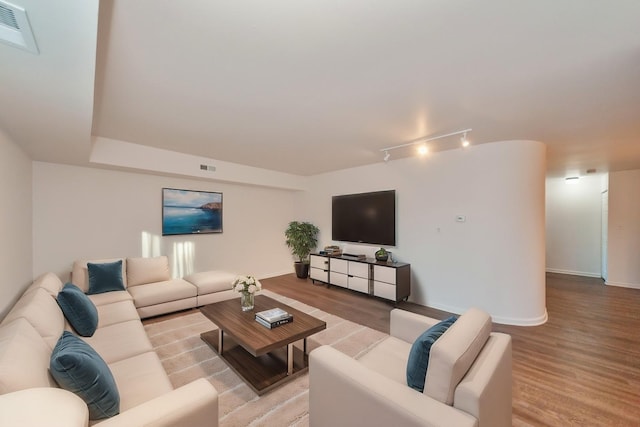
(302, 270)
(382, 255)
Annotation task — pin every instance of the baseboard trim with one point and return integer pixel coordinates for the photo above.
(276, 274)
(535, 321)
(514, 321)
(623, 285)
(574, 273)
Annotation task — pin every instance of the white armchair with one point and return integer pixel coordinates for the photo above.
(468, 380)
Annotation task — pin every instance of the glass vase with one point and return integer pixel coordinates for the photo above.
(246, 301)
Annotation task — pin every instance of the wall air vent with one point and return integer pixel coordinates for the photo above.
(15, 29)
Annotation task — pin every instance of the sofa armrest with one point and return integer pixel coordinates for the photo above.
(46, 406)
(408, 326)
(194, 404)
(485, 391)
(343, 392)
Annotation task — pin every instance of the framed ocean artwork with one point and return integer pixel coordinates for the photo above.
(191, 212)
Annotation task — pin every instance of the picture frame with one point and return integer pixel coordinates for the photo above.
(191, 212)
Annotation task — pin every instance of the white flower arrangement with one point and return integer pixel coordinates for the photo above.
(247, 284)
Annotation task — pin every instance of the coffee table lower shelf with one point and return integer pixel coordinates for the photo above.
(262, 373)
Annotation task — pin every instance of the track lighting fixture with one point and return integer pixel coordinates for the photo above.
(423, 149)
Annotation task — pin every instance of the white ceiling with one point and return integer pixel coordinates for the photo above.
(307, 87)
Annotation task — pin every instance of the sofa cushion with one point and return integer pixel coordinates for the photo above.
(105, 277)
(161, 292)
(24, 358)
(209, 282)
(120, 341)
(140, 379)
(110, 298)
(454, 352)
(389, 358)
(78, 368)
(47, 281)
(80, 272)
(147, 270)
(78, 310)
(40, 309)
(117, 312)
(419, 354)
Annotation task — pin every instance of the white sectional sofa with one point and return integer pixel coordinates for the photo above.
(153, 291)
(29, 396)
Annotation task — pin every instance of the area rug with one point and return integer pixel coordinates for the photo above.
(186, 357)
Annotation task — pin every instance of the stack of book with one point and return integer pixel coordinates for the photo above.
(273, 318)
(332, 251)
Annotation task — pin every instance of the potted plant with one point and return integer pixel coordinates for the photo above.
(302, 238)
(382, 254)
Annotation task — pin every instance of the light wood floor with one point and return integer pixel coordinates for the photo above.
(581, 368)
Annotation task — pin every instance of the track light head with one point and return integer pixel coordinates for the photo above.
(464, 141)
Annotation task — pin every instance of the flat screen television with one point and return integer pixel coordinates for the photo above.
(364, 218)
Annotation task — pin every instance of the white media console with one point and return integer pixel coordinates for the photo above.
(388, 280)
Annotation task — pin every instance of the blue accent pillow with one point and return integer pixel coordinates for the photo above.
(105, 277)
(419, 354)
(77, 367)
(78, 309)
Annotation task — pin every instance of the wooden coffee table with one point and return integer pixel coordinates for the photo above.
(265, 358)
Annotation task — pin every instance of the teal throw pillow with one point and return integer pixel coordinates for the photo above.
(78, 309)
(77, 367)
(419, 354)
(105, 277)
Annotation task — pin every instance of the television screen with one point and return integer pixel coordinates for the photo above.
(365, 218)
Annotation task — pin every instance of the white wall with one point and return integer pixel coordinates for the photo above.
(116, 153)
(96, 213)
(573, 232)
(624, 229)
(15, 222)
(494, 260)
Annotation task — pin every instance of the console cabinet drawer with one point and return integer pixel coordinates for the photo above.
(359, 284)
(384, 290)
(359, 269)
(384, 274)
(339, 279)
(339, 266)
(319, 274)
(319, 262)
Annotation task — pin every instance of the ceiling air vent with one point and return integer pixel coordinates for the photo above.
(15, 29)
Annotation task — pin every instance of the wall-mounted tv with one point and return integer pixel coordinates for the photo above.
(191, 212)
(365, 218)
